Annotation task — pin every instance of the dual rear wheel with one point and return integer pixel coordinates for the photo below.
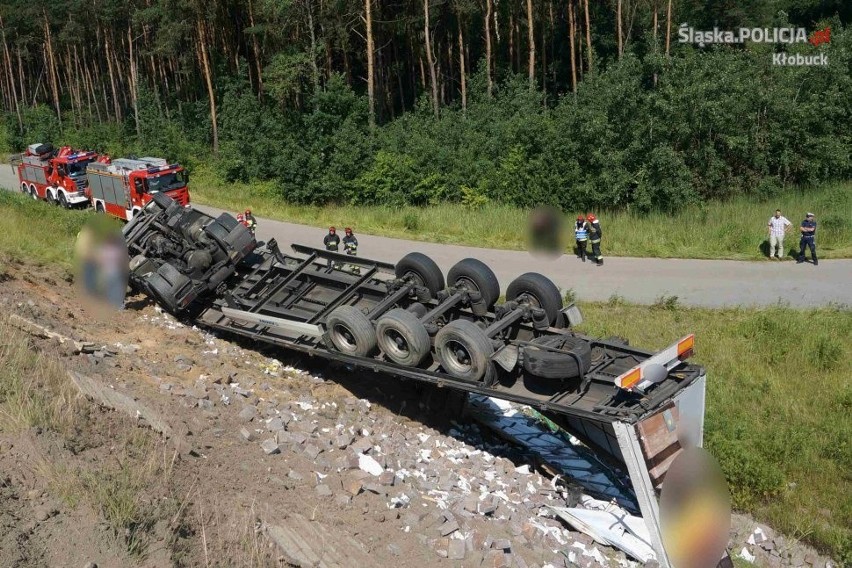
(461, 346)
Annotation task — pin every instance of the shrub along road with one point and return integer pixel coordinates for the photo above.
(706, 283)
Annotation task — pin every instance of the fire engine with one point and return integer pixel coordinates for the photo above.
(58, 176)
(124, 186)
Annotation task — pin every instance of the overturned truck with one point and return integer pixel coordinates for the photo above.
(407, 320)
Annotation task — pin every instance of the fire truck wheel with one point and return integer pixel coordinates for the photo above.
(99, 207)
(538, 290)
(33, 192)
(63, 202)
(403, 337)
(557, 365)
(423, 270)
(351, 331)
(464, 350)
(475, 275)
(24, 188)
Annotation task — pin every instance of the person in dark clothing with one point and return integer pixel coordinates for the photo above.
(332, 243)
(250, 221)
(581, 235)
(808, 229)
(350, 245)
(595, 234)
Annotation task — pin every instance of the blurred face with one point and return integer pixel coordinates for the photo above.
(777, 213)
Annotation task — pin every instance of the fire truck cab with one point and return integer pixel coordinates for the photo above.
(58, 176)
(124, 186)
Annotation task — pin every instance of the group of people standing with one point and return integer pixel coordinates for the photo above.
(779, 226)
(588, 230)
(350, 244)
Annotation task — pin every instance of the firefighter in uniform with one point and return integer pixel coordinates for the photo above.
(350, 245)
(581, 234)
(250, 221)
(595, 234)
(332, 243)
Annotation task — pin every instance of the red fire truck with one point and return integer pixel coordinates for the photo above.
(124, 186)
(58, 176)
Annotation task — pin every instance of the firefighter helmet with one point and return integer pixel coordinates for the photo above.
(580, 218)
(591, 218)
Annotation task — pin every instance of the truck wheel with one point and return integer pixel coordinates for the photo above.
(24, 189)
(403, 337)
(464, 350)
(351, 331)
(63, 202)
(33, 192)
(553, 365)
(538, 290)
(475, 275)
(168, 285)
(423, 270)
(99, 207)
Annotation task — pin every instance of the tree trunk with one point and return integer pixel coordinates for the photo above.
(430, 62)
(208, 78)
(116, 106)
(511, 42)
(588, 38)
(668, 27)
(571, 39)
(21, 78)
(51, 62)
(314, 67)
(488, 46)
(619, 25)
(462, 71)
(134, 84)
(255, 47)
(12, 88)
(531, 39)
(371, 92)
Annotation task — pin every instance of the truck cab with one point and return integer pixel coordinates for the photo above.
(68, 182)
(124, 186)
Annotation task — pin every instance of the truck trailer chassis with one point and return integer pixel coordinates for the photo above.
(636, 408)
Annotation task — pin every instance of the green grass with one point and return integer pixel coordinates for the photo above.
(779, 401)
(37, 233)
(732, 230)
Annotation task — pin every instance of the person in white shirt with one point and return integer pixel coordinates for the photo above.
(778, 227)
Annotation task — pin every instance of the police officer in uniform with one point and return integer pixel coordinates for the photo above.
(332, 243)
(808, 229)
(595, 234)
(581, 235)
(350, 245)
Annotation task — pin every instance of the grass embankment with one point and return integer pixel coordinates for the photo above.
(37, 232)
(35, 392)
(779, 393)
(731, 230)
(779, 398)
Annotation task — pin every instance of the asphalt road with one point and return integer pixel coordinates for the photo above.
(708, 283)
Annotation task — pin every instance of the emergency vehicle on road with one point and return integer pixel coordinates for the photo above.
(57, 176)
(124, 186)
